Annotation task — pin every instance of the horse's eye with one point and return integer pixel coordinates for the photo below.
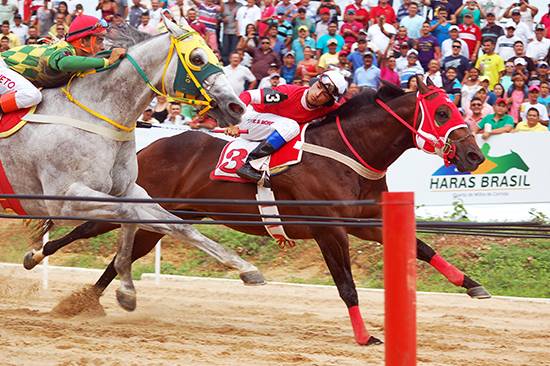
(197, 58)
(442, 115)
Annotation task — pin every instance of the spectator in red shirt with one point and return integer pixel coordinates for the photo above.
(350, 29)
(361, 13)
(471, 34)
(385, 9)
(194, 22)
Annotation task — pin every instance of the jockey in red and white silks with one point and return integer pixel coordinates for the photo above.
(273, 115)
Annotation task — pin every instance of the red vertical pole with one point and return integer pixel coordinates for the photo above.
(399, 239)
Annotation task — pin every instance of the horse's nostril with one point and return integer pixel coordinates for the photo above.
(236, 108)
(475, 157)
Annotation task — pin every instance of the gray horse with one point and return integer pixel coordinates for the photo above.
(54, 159)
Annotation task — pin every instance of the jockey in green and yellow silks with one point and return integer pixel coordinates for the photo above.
(23, 69)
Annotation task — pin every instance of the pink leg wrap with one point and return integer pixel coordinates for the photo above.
(359, 330)
(453, 274)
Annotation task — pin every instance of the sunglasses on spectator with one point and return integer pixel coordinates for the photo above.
(266, 42)
(476, 104)
(457, 46)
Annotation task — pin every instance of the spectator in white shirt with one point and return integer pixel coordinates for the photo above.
(447, 45)
(532, 102)
(523, 31)
(538, 48)
(379, 34)
(505, 43)
(248, 14)
(174, 115)
(19, 29)
(146, 26)
(238, 74)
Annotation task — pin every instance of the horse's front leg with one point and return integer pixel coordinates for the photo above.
(87, 230)
(335, 249)
(425, 253)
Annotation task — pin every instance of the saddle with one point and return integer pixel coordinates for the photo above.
(235, 153)
(12, 122)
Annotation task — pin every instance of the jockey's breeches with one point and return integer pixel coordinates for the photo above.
(261, 125)
(16, 91)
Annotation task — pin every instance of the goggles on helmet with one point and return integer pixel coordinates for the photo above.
(101, 23)
(329, 86)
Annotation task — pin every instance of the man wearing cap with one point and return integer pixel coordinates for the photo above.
(302, 21)
(329, 58)
(323, 41)
(413, 21)
(413, 68)
(321, 27)
(356, 57)
(490, 64)
(538, 48)
(471, 34)
(519, 53)
(447, 45)
(526, 12)
(303, 41)
(350, 28)
(457, 61)
(52, 65)
(522, 30)
(505, 43)
(19, 29)
(491, 29)
(470, 7)
(288, 69)
(543, 72)
(532, 102)
(367, 76)
(498, 122)
(361, 14)
(267, 81)
(273, 115)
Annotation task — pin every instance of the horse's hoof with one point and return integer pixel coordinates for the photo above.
(478, 292)
(126, 299)
(373, 341)
(253, 278)
(28, 261)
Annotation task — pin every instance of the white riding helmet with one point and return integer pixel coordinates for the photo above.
(335, 79)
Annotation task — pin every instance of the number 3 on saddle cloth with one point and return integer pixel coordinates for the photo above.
(234, 154)
(10, 123)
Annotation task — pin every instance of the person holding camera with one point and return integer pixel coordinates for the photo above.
(526, 12)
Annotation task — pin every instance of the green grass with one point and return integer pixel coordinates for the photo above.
(516, 268)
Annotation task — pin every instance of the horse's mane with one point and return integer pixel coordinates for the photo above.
(365, 98)
(125, 36)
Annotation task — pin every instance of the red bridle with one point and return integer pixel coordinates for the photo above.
(439, 143)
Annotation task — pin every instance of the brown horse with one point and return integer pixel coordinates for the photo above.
(179, 166)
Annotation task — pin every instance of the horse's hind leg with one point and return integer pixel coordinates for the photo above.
(87, 230)
(335, 248)
(454, 275)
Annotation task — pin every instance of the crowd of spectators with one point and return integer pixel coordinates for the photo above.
(491, 59)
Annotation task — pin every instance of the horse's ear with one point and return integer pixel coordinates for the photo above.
(389, 91)
(422, 88)
(171, 26)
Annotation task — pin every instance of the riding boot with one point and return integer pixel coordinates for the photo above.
(265, 148)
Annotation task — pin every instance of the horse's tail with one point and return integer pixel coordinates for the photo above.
(37, 229)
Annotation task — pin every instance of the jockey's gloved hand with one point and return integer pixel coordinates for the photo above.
(116, 54)
(232, 131)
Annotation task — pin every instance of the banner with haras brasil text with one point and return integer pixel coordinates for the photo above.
(516, 170)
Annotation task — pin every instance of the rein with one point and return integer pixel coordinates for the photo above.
(175, 43)
(447, 149)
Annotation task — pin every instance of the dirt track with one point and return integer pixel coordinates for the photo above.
(206, 322)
